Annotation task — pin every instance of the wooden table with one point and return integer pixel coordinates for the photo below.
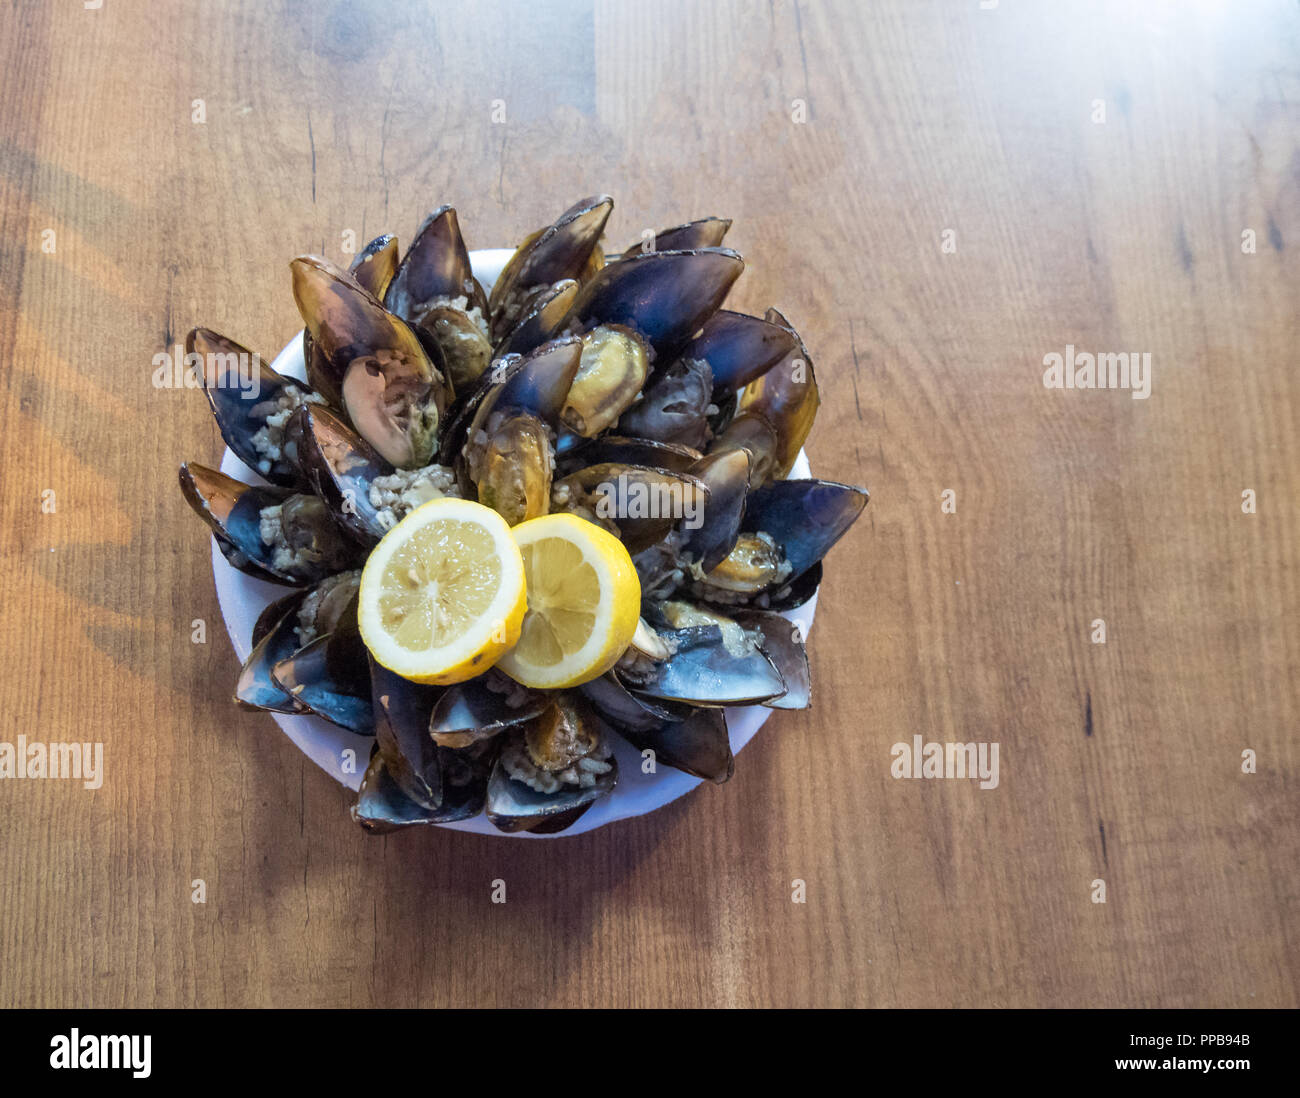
(939, 196)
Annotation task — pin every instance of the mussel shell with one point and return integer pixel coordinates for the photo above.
(376, 264)
(563, 733)
(330, 677)
(661, 568)
(727, 477)
(274, 639)
(369, 353)
(232, 509)
(321, 375)
(665, 296)
(270, 616)
(754, 434)
(462, 348)
(513, 806)
(231, 409)
(707, 232)
(470, 711)
(699, 745)
(537, 383)
(625, 711)
(674, 406)
(624, 450)
(703, 671)
(740, 348)
(382, 806)
(775, 412)
(783, 643)
(543, 320)
(435, 265)
(792, 593)
(512, 468)
(805, 517)
(562, 250)
(341, 466)
(629, 489)
(401, 710)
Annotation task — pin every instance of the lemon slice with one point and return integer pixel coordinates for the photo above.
(442, 595)
(584, 602)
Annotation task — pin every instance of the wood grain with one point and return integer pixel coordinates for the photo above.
(1120, 762)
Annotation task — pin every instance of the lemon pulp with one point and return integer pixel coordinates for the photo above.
(440, 580)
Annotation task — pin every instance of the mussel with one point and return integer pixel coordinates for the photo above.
(251, 404)
(564, 251)
(707, 232)
(774, 413)
(552, 770)
(393, 394)
(435, 291)
(665, 296)
(508, 453)
(270, 533)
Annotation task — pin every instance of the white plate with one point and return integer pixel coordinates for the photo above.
(243, 598)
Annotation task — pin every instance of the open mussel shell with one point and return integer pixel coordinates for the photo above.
(775, 412)
(233, 510)
(537, 383)
(714, 536)
(341, 466)
(513, 806)
(330, 676)
(543, 320)
(707, 668)
(394, 395)
(402, 709)
(508, 453)
(782, 642)
(375, 265)
(242, 390)
(563, 250)
(626, 711)
(383, 806)
(436, 265)
(623, 450)
(791, 594)
(805, 517)
(740, 348)
(665, 296)
(674, 408)
(455, 339)
(707, 232)
(274, 639)
(471, 711)
(644, 503)
(373, 268)
(699, 745)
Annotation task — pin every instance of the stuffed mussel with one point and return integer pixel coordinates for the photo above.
(595, 384)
